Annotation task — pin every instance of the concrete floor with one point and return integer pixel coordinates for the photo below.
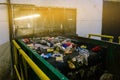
(5, 61)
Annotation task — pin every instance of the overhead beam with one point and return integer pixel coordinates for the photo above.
(16, 4)
(113, 0)
(3, 3)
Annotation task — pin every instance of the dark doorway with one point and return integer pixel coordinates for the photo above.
(111, 19)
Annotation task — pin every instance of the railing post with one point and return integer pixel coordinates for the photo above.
(119, 40)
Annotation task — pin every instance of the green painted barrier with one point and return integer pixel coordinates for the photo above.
(46, 67)
(112, 59)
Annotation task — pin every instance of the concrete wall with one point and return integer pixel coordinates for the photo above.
(4, 29)
(5, 59)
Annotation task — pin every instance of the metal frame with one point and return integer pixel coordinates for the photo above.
(105, 36)
(119, 40)
(35, 68)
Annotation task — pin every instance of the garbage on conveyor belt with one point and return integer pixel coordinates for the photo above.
(79, 61)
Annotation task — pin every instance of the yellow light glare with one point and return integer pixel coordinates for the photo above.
(28, 17)
(70, 19)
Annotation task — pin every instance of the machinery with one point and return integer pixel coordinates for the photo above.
(46, 47)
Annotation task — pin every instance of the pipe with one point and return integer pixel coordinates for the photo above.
(10, 33)
(10, 19)
(3, 3)
(16, 4)
(105, 36)
(16, 70)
